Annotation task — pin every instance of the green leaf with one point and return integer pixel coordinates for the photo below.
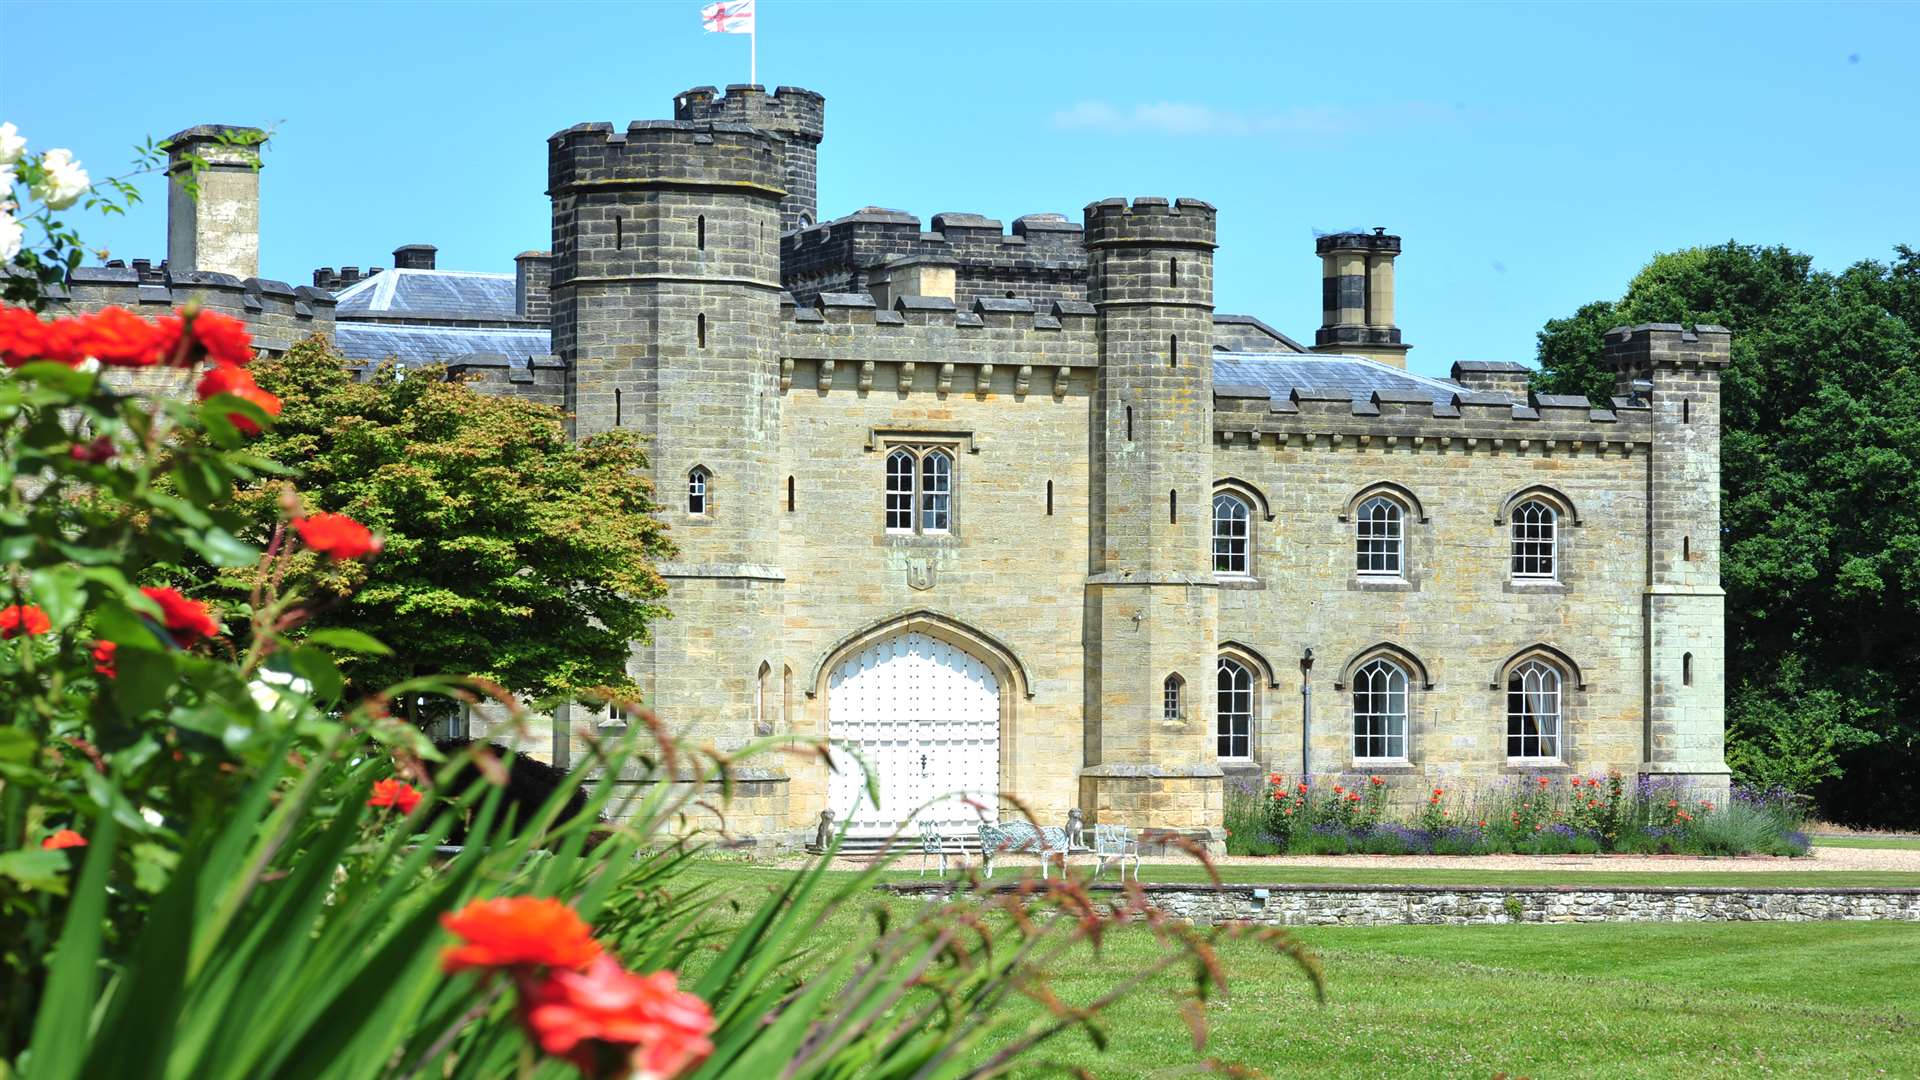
(61, 593)
(17, 744)
(222, 548)
(116, 622)
(33, 868)
(347, 640)
(60, 1031)
(87, 556)
(317, 667)
(153, 866)
(67, 380)
(141, 680)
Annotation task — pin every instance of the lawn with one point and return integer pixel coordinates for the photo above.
(1901, 843)
(1619, 1000)
(1281, 873)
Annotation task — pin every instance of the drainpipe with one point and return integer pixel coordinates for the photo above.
(1306, 714)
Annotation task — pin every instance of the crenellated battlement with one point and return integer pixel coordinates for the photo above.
(1649, 345)
(789, 110)
(278, 314)
(1040, 258)
(931, 343)
(1150, 221)
(1416, 419)
(669, 154)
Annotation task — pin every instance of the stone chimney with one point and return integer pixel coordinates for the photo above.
(220, 230)
(414, 257)
(1356, 279)
(533, 284)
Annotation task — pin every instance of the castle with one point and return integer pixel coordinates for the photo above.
(1018, 511)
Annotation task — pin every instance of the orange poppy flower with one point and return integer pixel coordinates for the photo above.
(65, 838)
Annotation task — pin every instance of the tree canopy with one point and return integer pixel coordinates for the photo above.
(1820, 497)
(511, 551)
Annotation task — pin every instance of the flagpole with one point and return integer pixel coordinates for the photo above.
(753, 50)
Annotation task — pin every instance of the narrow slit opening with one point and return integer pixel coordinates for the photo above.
(1173, 507)
(1049, 498)
(789, 494)
(700, 229)
(700, 328)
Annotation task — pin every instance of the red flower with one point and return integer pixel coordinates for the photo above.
(337, 536)
(1338, 790)
(103, 658)
(23, 619)
(23, 337)
(1375, 780)
(239, 382)
(518, 931)
(609, 1021)
(395, 793)
(1483, 824)
(1543, 781)
(186, 620)
(1437, 792)
(98, 451)
(119, 338)
(65, 838)
(1303, 787)
(1353, 796)
(210, 335)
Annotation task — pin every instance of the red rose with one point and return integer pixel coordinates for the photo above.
(209, 335)
(65, 838)
(187, 621)
(518, 932)
(396, 793)
(23, 619)
(337, 536)
(103, 658)
(21, 332)
(119, 338)
(645, 1023)
(238, 382)
(96, 452)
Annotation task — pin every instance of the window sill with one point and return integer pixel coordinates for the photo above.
(1381, 583)
(1238, 581)
(921, 540)
(1383, 765)
(1536, 765)
(1536, 585)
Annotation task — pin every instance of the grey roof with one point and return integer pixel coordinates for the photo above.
(441, 294)
(416, 345)
(1277, 375)
(1244, 333)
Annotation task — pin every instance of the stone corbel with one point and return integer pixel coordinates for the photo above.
(982, 380)
(786, 374)
(906, 376)
(946, 379)
(826, 374)
(1022, 380)
(866, 375)
(1062, 376)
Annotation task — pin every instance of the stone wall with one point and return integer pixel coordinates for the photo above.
(1397, 905)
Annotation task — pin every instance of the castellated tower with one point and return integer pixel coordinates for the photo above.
(665, 298)
(796, 115)
(1151, 600)
(1675, 373)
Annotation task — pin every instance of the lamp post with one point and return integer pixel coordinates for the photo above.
(1306, 713)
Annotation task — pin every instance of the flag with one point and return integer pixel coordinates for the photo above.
(728, 17)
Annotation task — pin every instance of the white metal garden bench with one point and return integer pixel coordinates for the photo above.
(1116, 844)
(1047, 841)
(935, 842)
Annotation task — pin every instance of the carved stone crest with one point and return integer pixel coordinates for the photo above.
(920, 574)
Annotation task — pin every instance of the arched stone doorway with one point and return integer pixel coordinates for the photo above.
(925, 714)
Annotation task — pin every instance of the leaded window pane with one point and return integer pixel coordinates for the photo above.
(1232, 535)
(1380, 711)
(936, 492)
(1377, 538)
(1533, 711)
(697, 491)
(900, 491)
(1533, 540)
(1170, 705)
(1234, 723)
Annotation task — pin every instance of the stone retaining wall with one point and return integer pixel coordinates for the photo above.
(1389, 905)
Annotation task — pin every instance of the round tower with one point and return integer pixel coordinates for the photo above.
(1151, 594)
(665, 306)
(1356, 296)
(796, 115)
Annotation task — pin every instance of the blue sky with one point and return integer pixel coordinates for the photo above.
(1533, 157)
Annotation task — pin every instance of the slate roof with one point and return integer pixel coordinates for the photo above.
(429, 294)
(1277, 375)
(416, 345)
(1244, 333)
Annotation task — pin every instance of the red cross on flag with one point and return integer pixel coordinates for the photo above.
(728, 17)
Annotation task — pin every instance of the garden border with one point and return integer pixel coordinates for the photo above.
(1298, 904)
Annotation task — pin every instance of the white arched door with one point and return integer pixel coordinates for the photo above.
(925, 715)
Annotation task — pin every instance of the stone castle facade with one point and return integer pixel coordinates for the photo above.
(1018, 511)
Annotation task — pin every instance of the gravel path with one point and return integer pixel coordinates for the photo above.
(1832, 858)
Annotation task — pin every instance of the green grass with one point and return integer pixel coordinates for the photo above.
(1895, 842)
(1281, 873)
(1614, 1000)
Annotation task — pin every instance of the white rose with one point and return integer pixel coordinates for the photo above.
(12, 144)
(10, 234)
(65, 180)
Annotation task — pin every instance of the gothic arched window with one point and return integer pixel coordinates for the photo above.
(1234, 710)
(1378, 539)
(697, 490)
(1173, 705)
(1535, 721)
(1534, 527)
(1380, 711)
(1232, 535)
(919, 490)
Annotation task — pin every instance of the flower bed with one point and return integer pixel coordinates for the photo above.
(1578, 815)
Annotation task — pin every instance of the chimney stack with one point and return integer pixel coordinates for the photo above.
(220, 230)
(1356, 296)
(414, 257)
(533, 284)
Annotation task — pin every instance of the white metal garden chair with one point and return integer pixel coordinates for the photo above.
(1116, 844)
(935, 842)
